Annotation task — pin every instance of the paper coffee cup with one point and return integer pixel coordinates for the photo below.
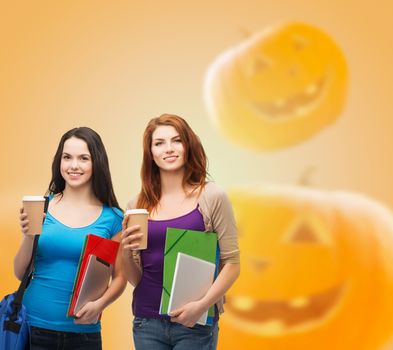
(34, 207)
(139, 217)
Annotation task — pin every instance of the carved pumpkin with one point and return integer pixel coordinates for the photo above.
(277, 88)
(316, 272)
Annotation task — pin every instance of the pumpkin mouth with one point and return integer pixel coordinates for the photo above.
(276, 317)
(297, 105)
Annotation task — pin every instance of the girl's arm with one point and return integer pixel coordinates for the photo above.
(132, 270)
(91, 310)
(23, 256)
(216, 202)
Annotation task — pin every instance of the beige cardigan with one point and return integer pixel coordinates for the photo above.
(218, 217)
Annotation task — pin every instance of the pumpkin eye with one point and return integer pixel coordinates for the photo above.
(258, 264)
(259, 64)
(310, 230)
(303, 234)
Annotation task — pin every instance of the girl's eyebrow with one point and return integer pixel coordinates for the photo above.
(79, 155)
(161, 139)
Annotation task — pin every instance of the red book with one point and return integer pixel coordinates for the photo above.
(103, 248)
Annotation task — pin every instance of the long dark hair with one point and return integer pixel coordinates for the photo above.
(195, 160)
(101, 177)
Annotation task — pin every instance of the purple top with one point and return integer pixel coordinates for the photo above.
(147, 294)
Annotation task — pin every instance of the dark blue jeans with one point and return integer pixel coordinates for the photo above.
(44, 339)
(159, 334)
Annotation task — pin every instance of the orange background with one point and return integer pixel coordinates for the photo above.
(114, 65)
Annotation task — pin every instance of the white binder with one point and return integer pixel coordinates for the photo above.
(95, 281)
(192, 279)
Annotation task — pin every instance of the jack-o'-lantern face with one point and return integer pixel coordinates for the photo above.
(303, 279)
(299, 239)
(277, 88)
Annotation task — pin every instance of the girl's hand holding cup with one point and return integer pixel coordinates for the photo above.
(23, 221)
(32, 214)
(134, 236)
(131, 238)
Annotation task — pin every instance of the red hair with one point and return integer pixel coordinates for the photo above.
(195, 161)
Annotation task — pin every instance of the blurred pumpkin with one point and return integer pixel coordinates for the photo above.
(277, 88)
(316, 272)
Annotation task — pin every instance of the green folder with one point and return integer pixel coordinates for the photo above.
(202, 245)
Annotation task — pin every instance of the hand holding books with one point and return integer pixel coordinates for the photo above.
(91, 281)
(94, 284)
(190, 259)
(186, 290)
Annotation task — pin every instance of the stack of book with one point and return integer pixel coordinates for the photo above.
(95, 267)
(190, 265)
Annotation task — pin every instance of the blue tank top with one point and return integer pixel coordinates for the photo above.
(59, 248)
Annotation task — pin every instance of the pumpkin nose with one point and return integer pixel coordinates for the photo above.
(258, 264)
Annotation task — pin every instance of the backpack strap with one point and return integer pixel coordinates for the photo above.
(17, 302)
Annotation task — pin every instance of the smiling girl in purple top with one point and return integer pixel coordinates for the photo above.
(176, 193)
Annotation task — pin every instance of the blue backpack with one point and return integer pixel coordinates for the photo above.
(14, 328)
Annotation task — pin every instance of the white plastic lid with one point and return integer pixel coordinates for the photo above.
(136, 211)
(33, 198)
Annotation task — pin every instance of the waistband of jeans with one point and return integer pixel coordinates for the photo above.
(51, 331)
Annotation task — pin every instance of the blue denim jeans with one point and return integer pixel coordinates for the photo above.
(44, 339)
(160, 334)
